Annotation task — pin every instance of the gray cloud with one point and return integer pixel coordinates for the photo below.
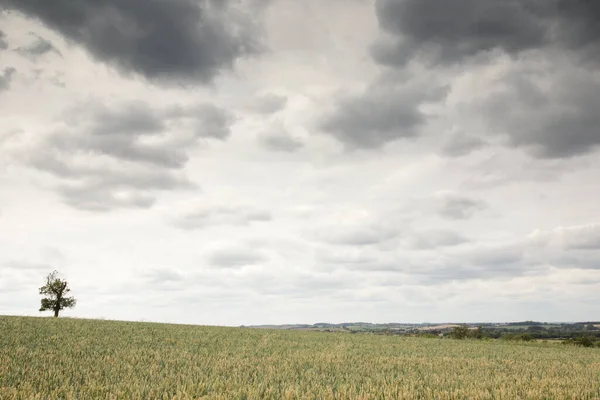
(458, 144)
(455, 206)
(578, 23)
(304, 285)
(436, 238)
(133, 118)
(234, 257)
(6, 78)
(552, 111)
(163, 276)
(208, 120)
(120, 156)
(388, 110)
(268, 103)
(213, 122)
(101, 197)
(366, 234)
(3, 42)
(104, 187)
(425, 29)
(477, 261)
(584, 237)
(548, 109)
(163, 40)
(280, 141)
(204, 217)
(38, 48)
(570, 247)
(497, 255)
(555, 116)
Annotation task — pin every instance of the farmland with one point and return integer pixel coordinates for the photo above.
(47, 358)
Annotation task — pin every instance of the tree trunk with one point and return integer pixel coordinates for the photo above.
(56, 312)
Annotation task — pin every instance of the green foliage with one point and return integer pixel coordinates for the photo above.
(427, 335)
(584, 341)
(460, 332)
(463, 332)
(524, 337)
(56, 289)
(49, 358)
(478, 333)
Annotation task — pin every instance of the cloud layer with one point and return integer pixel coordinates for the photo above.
(120, 155)
(170, 41)
(391, 160)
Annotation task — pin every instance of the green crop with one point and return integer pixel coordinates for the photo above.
(49, 358)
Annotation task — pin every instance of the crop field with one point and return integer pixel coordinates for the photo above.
(47, 358)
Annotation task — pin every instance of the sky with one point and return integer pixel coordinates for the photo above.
(238, 162)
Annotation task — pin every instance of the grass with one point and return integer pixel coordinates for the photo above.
(46, 358)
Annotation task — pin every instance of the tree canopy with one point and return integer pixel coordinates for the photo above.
(55, 289)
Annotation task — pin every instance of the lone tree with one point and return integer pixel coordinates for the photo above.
(56, 289)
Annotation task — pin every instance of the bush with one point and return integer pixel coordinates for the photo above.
(584, 341)
(478, 334)
(525, 337)
(459, 332)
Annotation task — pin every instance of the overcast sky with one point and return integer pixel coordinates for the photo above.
(251, 162)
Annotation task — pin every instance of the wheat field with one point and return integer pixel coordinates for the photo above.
(47, 358)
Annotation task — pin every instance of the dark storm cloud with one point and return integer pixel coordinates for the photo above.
(578, 25)
(455, 206)
(388, 110)
(549, 110)
(120, 156)
(6, 78)
(38, 48)
(553, 111)
(3, 42)
(446, 33)
(164, 40)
